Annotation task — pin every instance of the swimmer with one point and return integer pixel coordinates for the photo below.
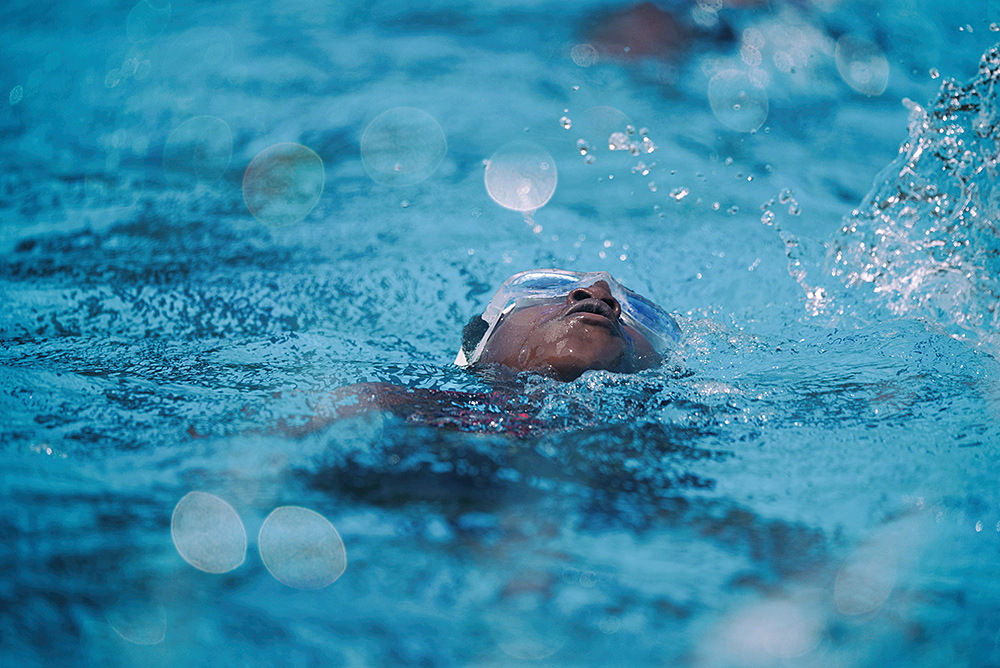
(662, 31)
(550, 322)
(562, 323)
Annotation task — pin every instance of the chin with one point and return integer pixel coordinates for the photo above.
(567, 370)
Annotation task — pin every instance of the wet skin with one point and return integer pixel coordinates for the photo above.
(584, 331)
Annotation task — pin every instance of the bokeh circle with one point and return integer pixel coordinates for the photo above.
(862, 65)
(198, 150)
(521, 176)
(208, 533)
(301, 548)
(147, 20)
(402, 146)
(736, 101)
(283, 183)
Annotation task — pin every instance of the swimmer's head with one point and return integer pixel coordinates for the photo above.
(561, 323)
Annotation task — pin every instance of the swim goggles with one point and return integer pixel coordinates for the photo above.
(536, 286)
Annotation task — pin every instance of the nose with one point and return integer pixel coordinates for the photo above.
(598, 290)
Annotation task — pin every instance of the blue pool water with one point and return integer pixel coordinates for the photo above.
(208, 223)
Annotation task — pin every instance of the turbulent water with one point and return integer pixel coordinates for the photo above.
(926, 237)
(213, 217)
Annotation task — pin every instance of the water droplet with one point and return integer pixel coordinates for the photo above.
(618, 141)
(566, 122)
(733, 210)
(590, 159)
(652, 186)
(934, 73)
(785, 196)
(767, 217)
(794, 209)
(596, 125)
(679, 193)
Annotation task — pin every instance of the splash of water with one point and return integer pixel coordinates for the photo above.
(925, 238)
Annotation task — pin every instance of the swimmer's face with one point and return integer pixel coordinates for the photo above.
(583, 331)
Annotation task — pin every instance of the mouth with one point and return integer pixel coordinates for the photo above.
(596, 311)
